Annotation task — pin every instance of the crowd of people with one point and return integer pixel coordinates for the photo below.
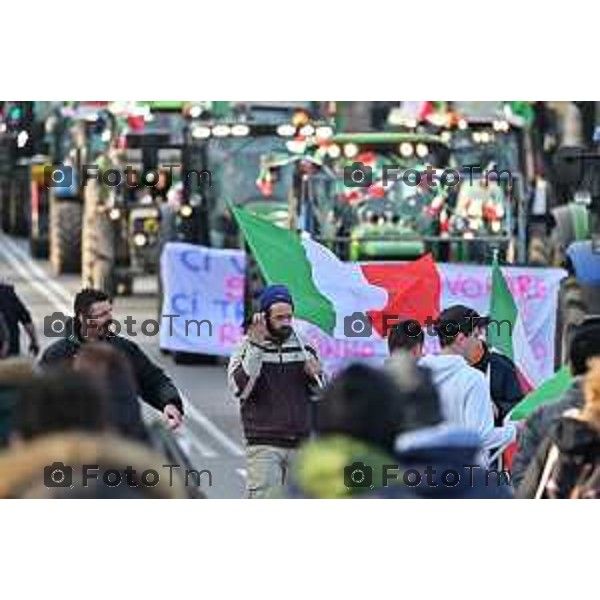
(78, 404)
(424, 426)
(421, 426)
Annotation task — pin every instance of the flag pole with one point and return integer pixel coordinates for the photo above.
(317, 378)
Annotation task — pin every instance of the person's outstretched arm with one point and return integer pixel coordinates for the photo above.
(24, 317)
(155, 387)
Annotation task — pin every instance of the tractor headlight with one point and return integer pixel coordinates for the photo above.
(334, 151)
(201, 132)
(195, 111)
(22, 139)
(186, 211)
(286, 130)
(307, 130)
(350, 150)
(221, 130)
(406, 149)
(240, 130)
(114, 214)
(485, 137)
(422, 150)
(462, 124)
(139, 239)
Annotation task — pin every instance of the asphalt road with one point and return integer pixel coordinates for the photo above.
(211, 433)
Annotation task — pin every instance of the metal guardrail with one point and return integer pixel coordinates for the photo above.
(164, 442)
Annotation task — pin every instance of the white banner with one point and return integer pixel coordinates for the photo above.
(203, 299)
(206, 284)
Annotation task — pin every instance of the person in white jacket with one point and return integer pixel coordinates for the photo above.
(464, 391)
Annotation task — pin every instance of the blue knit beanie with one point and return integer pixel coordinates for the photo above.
(272, 294)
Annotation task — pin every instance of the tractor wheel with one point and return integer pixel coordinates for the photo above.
(102, 255)
(65, 236)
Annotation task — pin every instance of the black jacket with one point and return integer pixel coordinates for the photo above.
(538, 426)
(154, 386)
(14, 312)
(505, 389)
(579, 453)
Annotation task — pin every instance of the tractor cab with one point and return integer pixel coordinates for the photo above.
(247, 155)
(379, 192)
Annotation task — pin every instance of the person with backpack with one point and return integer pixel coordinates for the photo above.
(568, 462)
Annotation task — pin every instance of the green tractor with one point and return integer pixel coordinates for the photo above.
(500, 145)
(77, 134)
(489, 141)
(574, 241)
(158, 199)
(360, 193)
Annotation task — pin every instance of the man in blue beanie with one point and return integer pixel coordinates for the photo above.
(273, 375)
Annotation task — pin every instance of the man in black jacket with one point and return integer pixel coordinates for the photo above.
(584, 345)
(505, 389)
(15, 313)
(93, 314)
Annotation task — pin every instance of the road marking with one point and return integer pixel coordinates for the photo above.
(58, 288)
(211, 428)
(57, 301)
(189, 441)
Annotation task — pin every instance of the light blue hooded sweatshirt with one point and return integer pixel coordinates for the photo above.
(465, 399)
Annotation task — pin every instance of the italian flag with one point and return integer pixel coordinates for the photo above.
(326, 290)
(548, 392)
(511, 341)
(506, 333)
